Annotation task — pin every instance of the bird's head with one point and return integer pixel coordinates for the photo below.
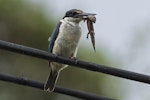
(76, 15)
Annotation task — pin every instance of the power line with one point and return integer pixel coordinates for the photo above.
(78, 63)
(40, 85)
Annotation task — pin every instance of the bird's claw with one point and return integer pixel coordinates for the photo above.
(76, 60)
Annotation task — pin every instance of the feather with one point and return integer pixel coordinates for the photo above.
(53, 38)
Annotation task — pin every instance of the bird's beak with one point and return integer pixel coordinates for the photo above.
(84, 15)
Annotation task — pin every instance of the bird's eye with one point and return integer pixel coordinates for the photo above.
(74, 13)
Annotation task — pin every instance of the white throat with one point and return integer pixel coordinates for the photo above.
(71, 21)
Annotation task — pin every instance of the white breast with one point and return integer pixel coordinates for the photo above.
(68, 38)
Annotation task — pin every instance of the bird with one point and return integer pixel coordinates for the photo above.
(64, 41)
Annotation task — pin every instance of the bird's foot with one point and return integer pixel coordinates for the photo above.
(76, 60)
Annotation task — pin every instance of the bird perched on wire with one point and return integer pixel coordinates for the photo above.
(64, 42)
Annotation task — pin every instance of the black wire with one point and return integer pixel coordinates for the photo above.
(40, 85)
(82, 64)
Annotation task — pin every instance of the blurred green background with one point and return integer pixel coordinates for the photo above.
(28, 23)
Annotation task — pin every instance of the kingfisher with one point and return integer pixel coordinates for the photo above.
(64, 41)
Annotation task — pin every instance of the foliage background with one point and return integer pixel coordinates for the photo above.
(29, 23)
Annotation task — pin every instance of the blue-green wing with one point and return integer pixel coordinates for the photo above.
(53, 37)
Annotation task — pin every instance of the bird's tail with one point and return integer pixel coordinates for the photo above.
(51, 80)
